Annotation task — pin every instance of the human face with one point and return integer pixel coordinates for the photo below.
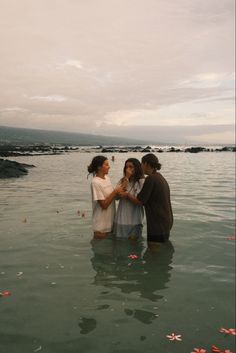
(129, 169)
(105, 167)
(144, 167)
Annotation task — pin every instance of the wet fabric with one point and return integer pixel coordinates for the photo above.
(155, 196)
(129, 217)
(102, 219)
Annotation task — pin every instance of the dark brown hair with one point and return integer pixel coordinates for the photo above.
(151, 160)
(96, 163)
(138, 172)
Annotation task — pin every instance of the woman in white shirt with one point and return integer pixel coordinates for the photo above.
(103, 197)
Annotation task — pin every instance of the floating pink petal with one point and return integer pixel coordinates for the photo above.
(5, 294)
(224, 330)
(199, 350)
(232, 331)
(174, 337)
(228, 331)
(218, 350)
(133, 256)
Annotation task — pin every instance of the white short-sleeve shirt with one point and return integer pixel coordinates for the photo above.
(102, 219)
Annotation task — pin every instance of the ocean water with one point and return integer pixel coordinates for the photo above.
(70, 294)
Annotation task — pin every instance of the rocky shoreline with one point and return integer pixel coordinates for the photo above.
(148, 149)
(13, 169)
(10, 150)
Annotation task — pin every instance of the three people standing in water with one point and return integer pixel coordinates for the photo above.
(133, 191)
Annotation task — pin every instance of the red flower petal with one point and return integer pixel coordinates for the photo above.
(5, 294)
(232, 331)
(132, 256)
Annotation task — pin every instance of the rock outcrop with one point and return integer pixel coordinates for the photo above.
(12, 169)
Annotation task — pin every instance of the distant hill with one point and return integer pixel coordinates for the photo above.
(32, 136)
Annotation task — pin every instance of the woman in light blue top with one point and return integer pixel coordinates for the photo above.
(129, 217)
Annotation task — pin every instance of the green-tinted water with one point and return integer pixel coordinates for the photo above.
(71, 295)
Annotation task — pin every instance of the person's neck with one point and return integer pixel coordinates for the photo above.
(100, 175)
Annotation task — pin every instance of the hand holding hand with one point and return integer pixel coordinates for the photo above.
(119, 189)
(123, 194)
(124, 183)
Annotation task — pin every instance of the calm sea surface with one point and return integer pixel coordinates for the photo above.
(71, 295)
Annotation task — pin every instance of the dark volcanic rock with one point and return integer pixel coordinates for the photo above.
(195, 149)
(108, 150)
(226, 149)
(8, 150)
(173, 149)
(114, 150)
(12, 169)
(147, 149)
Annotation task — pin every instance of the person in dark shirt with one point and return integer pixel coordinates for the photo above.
(155, 196)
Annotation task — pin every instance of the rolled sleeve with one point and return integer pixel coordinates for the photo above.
(97, 192)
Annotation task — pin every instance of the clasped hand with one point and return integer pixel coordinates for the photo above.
(121, 190)
(123, 194)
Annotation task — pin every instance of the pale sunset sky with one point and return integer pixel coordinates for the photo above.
(142, 69)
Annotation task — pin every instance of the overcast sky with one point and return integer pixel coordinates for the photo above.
(154, 69)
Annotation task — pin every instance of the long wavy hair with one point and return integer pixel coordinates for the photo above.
(138, 172)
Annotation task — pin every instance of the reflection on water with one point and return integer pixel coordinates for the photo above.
(87, 325)
(147, 275)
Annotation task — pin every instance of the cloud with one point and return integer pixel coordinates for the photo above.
(177, 134)
(13, 109)
(114, 65)
(73, 63)
(209, 80)
(53, 98)
(187, 113)
(221, 137)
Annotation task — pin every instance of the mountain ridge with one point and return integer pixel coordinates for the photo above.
(33, 136)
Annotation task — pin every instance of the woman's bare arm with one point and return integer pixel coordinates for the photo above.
(106, 203)
(131, 198)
